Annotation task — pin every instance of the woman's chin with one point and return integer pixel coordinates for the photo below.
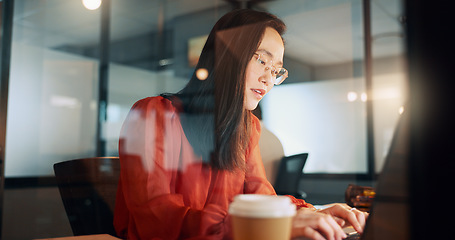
(251, 106)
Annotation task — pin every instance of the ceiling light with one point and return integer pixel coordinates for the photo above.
(91, 4)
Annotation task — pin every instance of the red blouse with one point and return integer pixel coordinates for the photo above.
(165, 191)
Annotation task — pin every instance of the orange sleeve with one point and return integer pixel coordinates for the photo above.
(148, 206)
(300, 203)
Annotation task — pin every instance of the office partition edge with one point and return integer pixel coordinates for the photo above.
(366, 11)
(103, 77)
(7, 10)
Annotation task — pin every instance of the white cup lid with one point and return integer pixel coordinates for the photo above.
(260, 206)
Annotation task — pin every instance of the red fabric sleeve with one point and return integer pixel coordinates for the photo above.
(300, 203)
(149, 155)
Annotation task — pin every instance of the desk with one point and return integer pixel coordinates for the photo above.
(86, 237)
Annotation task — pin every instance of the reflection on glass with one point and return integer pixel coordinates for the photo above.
(202, 74)
(352, 96)
(52, 112)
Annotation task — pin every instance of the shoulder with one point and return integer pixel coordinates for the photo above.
(157, 104)
(157, 101)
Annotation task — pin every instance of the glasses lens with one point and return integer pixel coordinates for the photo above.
(280, 76)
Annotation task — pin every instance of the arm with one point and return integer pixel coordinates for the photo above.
(308, 222)
(150, 176)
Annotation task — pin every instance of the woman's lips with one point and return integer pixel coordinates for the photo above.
(259, 93)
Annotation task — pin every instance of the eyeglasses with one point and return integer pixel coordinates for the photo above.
(279, 74)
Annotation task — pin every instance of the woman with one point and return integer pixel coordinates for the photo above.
(185, 156)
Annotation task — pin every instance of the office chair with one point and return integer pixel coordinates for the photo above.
(88, 189)
(289, 174)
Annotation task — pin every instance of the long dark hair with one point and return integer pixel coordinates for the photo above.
(214, 118)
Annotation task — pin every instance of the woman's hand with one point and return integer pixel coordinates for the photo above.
(352, 216)
(315, 225)
(327, 223)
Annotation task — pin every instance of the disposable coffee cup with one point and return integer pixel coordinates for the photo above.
(261, 217)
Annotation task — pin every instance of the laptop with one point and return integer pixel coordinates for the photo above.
(389, 213)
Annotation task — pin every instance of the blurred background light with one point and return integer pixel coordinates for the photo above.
(91, 4)
(352, 96)
(202, 74)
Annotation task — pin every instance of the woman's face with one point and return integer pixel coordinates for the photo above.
(259, 77)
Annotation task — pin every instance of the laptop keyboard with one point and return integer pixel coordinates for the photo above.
(353, 236)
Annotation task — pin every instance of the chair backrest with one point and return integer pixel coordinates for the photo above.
(88, 190)
(289, 173)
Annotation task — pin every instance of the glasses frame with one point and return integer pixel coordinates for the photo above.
(268, 63)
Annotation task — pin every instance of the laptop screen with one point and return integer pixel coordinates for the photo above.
(389, 215)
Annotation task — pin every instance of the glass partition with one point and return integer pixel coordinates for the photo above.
(322, 107)
(53, 90)
(390, 84)
(52, 111)
(152, 56)
(319, 109)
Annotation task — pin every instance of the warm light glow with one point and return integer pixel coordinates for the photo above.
(352, 96)
(363, 97)
(91, 4)
(202, 74)
(401, 110)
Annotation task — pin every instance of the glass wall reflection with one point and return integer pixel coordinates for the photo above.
(53, 91)
(319, 109)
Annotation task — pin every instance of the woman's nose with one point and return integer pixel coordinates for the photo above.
(267, 77)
